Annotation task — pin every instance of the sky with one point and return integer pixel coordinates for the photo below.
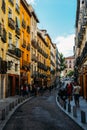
(58, 18)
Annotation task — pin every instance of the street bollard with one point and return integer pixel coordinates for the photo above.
(3, 114)
(74, 111)
(83, 117)
(69, 107)
(65, 105)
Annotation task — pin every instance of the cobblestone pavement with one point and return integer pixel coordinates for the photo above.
(41, 113)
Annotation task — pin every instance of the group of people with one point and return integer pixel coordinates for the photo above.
(69, 91)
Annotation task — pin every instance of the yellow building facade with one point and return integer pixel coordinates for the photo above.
(42, 59)
(13, 52)
(3, 44)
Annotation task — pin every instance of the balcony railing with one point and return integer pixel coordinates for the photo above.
(11, 48)
(18, 52)
(34, 43)
(3, 66)
(34, 58)
(11, 23)
(3, 6)
(25, 65)
(23, 24)
(34, 74)
(4, 35)
(28, 29)
(17, 30)
(24, 43)
(28, 47)
(12, 2)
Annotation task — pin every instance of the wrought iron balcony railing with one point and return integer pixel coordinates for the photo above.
(11, 23)
(12, 2)
(3, 35)
(3, 6)
(24, 43)
(17, 30)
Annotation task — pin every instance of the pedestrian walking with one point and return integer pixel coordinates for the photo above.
(76, 92)
(69, 90)
(21, 90)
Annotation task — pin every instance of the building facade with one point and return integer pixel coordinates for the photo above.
(27, 54)
(13, 52)
(70, 62)
(81, 46)
(3, 44)
(33, 50)
(25, 43)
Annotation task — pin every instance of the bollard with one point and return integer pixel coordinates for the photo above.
(74, 111)
(10, 107)
(3, 114)
(65, 105)
(83, 117)
(69, 107)
(7, 109)
(58, 98)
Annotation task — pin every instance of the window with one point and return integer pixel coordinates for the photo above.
(16, 67)
(22, 55)
(2, 53)
(22, 37)
(9, 39)
(3, 6)
(70, 61)
(17, 22)
(9, 13)
(17, 2)
(69, 66)
(16, 42)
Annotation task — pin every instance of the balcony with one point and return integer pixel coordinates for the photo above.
(23, 24)
(34, 58)
(34, 43)
(18, 52)
(34, 74)
(3, 66)
(28, 47)
(17, 8)
(11, 23)
(28, 29)
(85, 21)
(4, 35)
(11, 2)
(11, 48)
(25, 65)
(17, 30)
(24, 43)
(3, 6)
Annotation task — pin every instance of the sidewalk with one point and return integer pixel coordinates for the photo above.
(79, 115)
(8, 107)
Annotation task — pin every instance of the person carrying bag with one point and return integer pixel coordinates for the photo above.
(77, 89)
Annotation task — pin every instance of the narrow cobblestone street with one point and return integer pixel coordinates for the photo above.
(41, 113)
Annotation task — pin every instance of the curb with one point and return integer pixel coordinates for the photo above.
(4, 122)
(69, 115)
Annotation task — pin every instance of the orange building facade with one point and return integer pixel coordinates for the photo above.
(25, 43)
